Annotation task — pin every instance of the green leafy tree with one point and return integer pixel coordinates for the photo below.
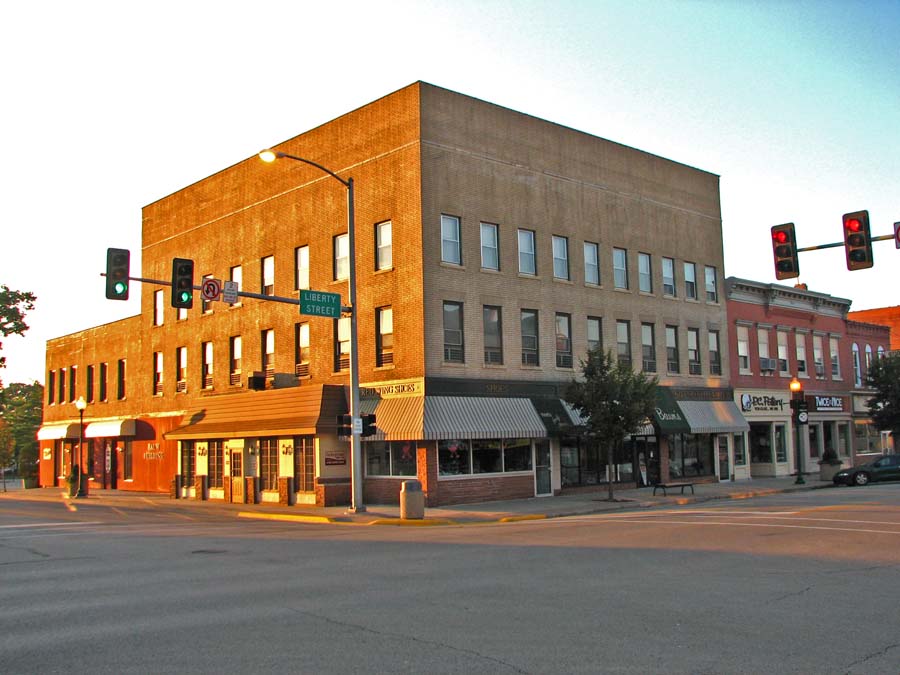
(884, 406)
(13, 305)
(7, 448)
(615, 400)
(21, 408)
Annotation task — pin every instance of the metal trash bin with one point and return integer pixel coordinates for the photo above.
(412, 500)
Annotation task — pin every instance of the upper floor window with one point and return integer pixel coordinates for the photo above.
(673, 364)
(451, 244)
(623, 342)
(762, 345)
(818, 357)
(73, 383)
(384, 246)
(712, 286)
(715, 356)
(743, 348)
(51, 387)
(159, 303)
(235, 349)
(690, 281)
(620, 268)
(120, 380)
(454, 347)
(527, 253)
(645, 273)
(267, 343)
(835, 358)
(530, 343)
(62, 385)
(301, 268)
(591, 263)
(89, 384)
(342, 343)
(301, 349)
(594, 333)
(102, 379)
(206, 365)
(181, 314)
(560, 257)
(693, 350)
(236, 275)
(181, 369)
(493, 335)
(267, 275)
(563, 340)
(384, 336)
(783, 365)
(869, 357)
(648, 348)
(668, 276)
(157, 373)
(490, 247)
(801, 354)
(857, 366)
(341, 244)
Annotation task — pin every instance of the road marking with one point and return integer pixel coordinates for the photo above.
(794, 527)
(66, 524)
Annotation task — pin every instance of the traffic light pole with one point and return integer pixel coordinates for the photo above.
(840, 244)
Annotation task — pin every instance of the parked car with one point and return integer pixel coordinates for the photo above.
(883, 468)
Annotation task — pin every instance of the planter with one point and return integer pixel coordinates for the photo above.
(827, 470)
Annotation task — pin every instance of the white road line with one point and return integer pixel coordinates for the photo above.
(736, 524)
(65, 524)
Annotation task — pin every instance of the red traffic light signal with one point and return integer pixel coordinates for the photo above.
(182, 283)
(784, 250)
(857, 240)
(118, 262)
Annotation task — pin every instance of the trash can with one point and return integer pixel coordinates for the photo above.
(412, 500)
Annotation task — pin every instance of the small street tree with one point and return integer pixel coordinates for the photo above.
(7, 447)
(613, 398)
(884, 406)
(21, 410)
(13, 305)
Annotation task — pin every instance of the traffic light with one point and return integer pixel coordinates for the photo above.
(118, 262)
(344, 425)
(182, 283)
(784, 248)
(368, 425)
(857, 240)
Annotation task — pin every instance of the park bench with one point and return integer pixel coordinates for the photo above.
(672, 486)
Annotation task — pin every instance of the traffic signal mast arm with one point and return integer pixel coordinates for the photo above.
(839, 244)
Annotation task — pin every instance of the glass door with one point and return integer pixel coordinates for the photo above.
(724, 464)
(542, 483)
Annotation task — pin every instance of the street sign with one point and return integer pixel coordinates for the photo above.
(802, 417)
(318, 303)
(357, 425)
(897, 235)
(211, 289)
(230, 292)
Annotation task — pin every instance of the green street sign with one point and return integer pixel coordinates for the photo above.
(318, 303)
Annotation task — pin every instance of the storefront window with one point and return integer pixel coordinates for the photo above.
(740, 455)
(517, 454)
(867, 438)
(760, 443)
(691, 455)
(390, 458)
(486, 456)
(780, 443)
(844, 440)
(453, 457)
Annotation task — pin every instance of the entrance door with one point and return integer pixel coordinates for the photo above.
(237, 478)
(542, 483)
(724, 464)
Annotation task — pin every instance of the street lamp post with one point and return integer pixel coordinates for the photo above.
(356, 501)
(81, 491)
(796, 398)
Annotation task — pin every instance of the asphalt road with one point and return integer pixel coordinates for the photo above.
(795, 583)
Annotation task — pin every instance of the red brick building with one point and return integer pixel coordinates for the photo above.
(884, 316)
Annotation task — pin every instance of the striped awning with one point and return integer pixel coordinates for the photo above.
(396, 419)
(54, 432)
(713, 417)
(450, 417)
(110, 429)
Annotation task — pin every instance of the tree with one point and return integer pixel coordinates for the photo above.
(884, 406)
(13, 305)
(7, 448)
(613, 398)
(21, 410)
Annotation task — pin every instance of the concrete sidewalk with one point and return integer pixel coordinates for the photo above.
(594, 501)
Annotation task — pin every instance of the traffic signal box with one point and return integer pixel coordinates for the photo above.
(368, 425)
(784, 249)
(118, 262)
(857, 240)
(182, 283)
(344, 425)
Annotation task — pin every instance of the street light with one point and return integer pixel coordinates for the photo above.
(81, 404)
(796, 397)
(356, 504)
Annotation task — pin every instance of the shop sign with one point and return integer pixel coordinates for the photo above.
(48, 453)
(828, 403)
(335, 459)
(393, 389)
(154, 452)
(762, 403)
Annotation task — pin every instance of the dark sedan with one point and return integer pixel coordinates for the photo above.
(883, 468)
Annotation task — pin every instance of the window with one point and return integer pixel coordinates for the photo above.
(563, 340)
(216, 455)
(690, 281)
(668, 276)
(205, 305)
(623, 342)
(181, 369)
(73, 383)
(715, 357)
(801, 354)
(645, 274)
(301, 268)
(451, 249)
(620, 268)
(740, 453)
(594, 333)
(464, 457)
(341, 246)
(267, 275)
(342, 344)
(783, 365)
(267, 343)
(237, 276)
(62, 385)
(818, 357)
(693, 347)
(868, 358)
(712, 288)
(51, 387)
(530, 348)
(673, 364)
(835, 359)
(591, 263)
(128, 462)
(187, 463)
(301, 349)
(384, 247)
(268, 463)
(101, 382)
(560, 258)
(648, 348)
(454, 349)
(158, 306)
(89, 385)
(493, 335)
(120, 380)
(384, 336)
(390, 458)
(206, 365)
(857, 367)
(157, 373)
(762, 345)
(234, 359)
(490, 247)
(527, 253)
(743, 348)
(305, 463)
(181, 313)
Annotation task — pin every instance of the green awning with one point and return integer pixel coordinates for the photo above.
(667, 416)
(554, 414)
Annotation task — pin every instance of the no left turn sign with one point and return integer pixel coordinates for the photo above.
(211, 289)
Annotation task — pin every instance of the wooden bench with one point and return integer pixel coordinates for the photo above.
(672, 486)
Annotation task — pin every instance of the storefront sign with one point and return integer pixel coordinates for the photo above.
(335, 459)
(762, 403)
(394, 389)
(48, 453)
(827, 403)
(153, 451)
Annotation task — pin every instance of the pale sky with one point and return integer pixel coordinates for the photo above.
(109, 106)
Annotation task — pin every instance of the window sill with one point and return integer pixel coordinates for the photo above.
(453, 364)
(389, 366)
(490, 270)
(617, 289)
(453, 266)
(560, 280)
(525, 275)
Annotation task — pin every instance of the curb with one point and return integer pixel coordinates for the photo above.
(296, 518)
(422, 522)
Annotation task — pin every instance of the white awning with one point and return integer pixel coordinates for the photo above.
(713, 417)
(112, 429)
(54, 432)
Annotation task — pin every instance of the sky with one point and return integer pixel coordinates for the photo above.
(110, 106)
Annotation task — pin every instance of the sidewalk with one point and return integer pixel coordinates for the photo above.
(534, 508)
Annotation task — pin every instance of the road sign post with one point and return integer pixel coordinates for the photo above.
(318, 303)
